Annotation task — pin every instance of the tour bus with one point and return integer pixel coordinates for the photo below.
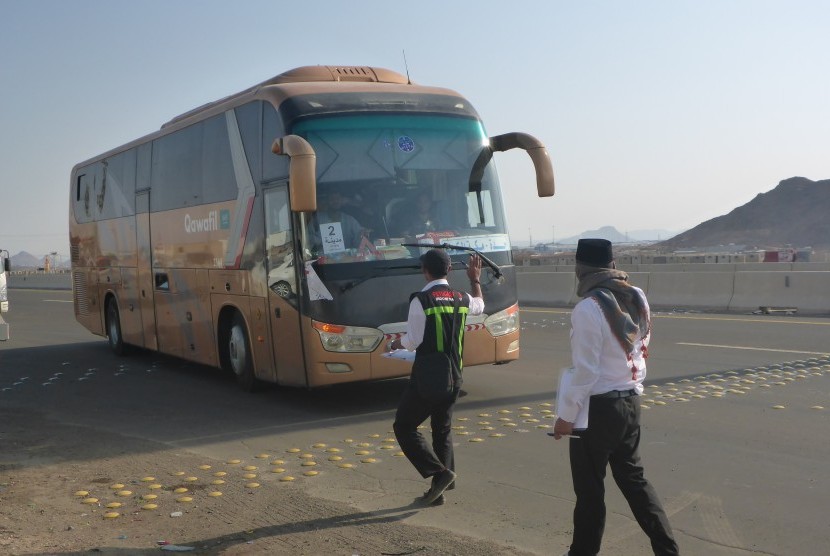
(277, 232)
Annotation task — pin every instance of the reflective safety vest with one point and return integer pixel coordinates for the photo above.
(439, 306)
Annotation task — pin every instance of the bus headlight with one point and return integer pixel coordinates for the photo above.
(503, 322)
(347, 339)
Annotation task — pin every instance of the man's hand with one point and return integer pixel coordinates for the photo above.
(474, 268)
(562, 428)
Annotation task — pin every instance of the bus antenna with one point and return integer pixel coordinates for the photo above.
(408, 80)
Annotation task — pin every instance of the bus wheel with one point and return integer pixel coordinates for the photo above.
(116, 341)
(239, 355)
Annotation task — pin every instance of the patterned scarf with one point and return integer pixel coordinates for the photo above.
(621, 304)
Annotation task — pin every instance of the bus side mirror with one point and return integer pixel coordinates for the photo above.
(7, 265)
(302, 171)
(532, 146)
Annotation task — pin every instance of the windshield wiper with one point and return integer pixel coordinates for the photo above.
(493, 266)
(378, 274)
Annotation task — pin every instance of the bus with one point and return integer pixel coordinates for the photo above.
(276, 232)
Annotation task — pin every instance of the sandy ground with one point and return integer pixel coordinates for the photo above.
(48, 470)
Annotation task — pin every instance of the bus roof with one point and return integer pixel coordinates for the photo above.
(295, 82)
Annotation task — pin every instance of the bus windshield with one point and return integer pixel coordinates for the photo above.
(388, 180)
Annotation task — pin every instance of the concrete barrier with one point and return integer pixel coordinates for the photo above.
(805, 291)
(705, 290)
(546, 288)
(40, 281)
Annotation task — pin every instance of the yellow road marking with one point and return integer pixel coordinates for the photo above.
(752, 348)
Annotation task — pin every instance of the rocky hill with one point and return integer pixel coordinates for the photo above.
(796, 213)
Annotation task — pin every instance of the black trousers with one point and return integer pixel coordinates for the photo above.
(613, 437)
(414, 410)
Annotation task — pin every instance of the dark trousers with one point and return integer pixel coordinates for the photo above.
(613, 437)
(414, 410)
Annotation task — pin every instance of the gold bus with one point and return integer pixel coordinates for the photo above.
(275, 233)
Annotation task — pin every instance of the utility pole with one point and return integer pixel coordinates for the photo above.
(530, 236)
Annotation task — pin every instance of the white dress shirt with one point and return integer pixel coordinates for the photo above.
(599, 361)
(417, 319)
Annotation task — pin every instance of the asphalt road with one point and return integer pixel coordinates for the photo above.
(735, 436)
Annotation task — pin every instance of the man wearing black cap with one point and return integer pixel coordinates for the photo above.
(428, 330)
(609, 340)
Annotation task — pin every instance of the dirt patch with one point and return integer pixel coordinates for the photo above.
(58, 479)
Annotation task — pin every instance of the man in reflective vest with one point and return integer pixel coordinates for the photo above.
(428, 330)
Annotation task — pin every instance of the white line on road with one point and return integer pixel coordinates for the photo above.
(57, 300)
(753, 348)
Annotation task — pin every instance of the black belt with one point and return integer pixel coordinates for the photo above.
(616, 394)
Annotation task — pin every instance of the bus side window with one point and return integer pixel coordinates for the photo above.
(162, 281)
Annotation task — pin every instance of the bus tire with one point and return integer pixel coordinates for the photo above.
(239, 356)
(114, 337)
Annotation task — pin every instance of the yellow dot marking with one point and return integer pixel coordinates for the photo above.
(278, 470)
(249, 468)
(496, 435)
(191, 479)
(124, 492)
(476, 439)
(318, 445)
(335, 458)
(463, 419)
(286, 479)
(149, 506)
(307, 456)
(817, 407)
(90, 501)
(82, 493)
(362, 453)
(364, 444)
(374, 436)
(148, 479)
(114, 505)
(348, 440)
(220, 474)
(149, 497)
(204, 467)
(154, 486)
(293, 450)
(389, 440)
(217, 482)
(117, 486)
(249, 476)
(392, 447)
(180, 490)
(215, 493)
(659, 402)
(779, 407)
(484, 415)
(345, 465)
(233, 461)
(311, 473)
(278, 462)
(398, 454)
(368, 460)
(184, 499)
(545, 404)
(504, 411)
(262, 456)
(251, 485)
(111, 515)
(309, 463)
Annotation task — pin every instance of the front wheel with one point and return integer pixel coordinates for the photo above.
(239, 355)
(116, 341)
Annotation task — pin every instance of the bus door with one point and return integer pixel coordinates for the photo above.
(283, 301)
(145, 270)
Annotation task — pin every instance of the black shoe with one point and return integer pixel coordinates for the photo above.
(434, 480)
(438, 501)
(440, 484)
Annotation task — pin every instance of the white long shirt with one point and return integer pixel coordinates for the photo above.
(417, 319)
(599, 361)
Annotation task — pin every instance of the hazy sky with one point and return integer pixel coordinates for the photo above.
(657, 114)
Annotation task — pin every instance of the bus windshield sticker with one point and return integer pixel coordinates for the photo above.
(332, 235)
(317, 290)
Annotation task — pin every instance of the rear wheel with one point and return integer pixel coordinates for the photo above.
(116, 341)
(239, 355)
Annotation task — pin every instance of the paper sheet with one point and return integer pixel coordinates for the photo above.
(402, 354)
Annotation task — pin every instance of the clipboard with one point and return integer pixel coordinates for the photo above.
(565, 377)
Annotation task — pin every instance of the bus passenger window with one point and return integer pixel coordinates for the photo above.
(162, 282)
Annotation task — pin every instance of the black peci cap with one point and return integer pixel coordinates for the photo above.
(437, 262)
(594, 252)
